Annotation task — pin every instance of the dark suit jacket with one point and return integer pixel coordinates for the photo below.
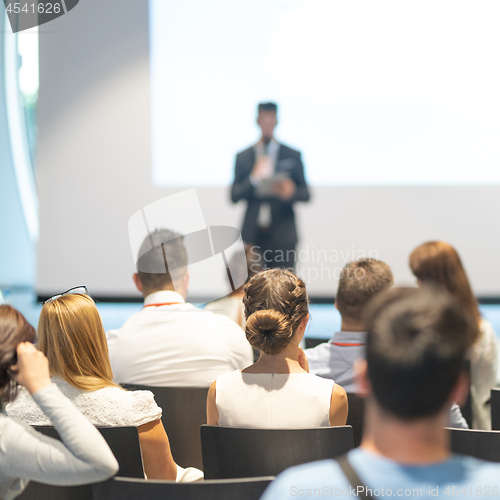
(283, 229)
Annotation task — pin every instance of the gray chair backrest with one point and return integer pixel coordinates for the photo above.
(124, 443)
(495, 409)
(230, 452)
(184, 411)
(476, 443)
(137, 489)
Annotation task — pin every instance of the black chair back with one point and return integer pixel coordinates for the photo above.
(314, 341)
(184, 411)
(124, 443)
(476, 443)
(355, 416)
(495, 409)
(137, 489)
(230, 452)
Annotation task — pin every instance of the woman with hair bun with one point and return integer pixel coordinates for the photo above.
(277, 391)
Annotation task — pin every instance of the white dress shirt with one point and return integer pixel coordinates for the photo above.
(270, 152)
(172, 343)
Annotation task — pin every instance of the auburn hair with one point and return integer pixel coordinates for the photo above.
(275, 303)
(439, 263)
(71, 335)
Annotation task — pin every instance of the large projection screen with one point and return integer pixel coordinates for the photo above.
(395, 153)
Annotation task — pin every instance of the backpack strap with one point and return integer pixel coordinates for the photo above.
(352, 477)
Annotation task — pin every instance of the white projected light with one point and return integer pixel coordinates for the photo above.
(372, 93)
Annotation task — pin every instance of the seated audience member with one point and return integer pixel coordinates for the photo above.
(360, 281)
(243, 266)
(83, 457)
(170, 342)
(71, 335)
(415, 349)
(276, 391)
(438, 262)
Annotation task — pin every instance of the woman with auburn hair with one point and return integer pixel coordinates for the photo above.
(438, 262)
(71, 335)
(83, 457)
(277, 391)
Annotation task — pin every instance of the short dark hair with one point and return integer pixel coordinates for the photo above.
(268, 107)
(162, 260)
(416, 344)
(360, 281)
(14, 329)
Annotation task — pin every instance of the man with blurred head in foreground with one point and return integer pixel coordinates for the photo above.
(415, 351)
(359, 283)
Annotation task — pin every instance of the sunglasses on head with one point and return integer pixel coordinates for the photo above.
(76, 289)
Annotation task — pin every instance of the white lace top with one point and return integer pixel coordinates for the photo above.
(108, 407)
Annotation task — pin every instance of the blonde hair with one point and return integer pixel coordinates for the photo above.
(71, 335)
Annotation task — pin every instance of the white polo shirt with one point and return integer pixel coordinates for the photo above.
(171, 343)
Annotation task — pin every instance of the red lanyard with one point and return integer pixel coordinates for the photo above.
(164, 304)
(346, 345)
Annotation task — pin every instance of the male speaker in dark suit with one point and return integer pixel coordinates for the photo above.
(270, 176)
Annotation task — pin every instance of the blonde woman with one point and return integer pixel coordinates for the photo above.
(71, 335)
(438, 262)
(28, 455)
(276, 391)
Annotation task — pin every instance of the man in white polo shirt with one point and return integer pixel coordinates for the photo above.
(170, 342)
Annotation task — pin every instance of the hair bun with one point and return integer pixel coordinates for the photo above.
(268, 331)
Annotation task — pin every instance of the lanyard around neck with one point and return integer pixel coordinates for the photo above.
(163, 304)
(341, 344)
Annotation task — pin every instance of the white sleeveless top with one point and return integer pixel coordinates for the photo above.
(273, 400)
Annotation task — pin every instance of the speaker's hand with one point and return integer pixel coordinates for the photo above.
(285, 189)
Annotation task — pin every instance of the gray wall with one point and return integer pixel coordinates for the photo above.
(94, 173)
